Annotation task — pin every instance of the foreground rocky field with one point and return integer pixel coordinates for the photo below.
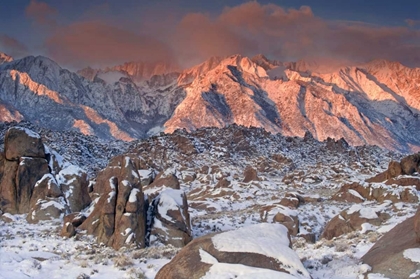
(244, 202)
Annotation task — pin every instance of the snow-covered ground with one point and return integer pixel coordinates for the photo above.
(285, 165)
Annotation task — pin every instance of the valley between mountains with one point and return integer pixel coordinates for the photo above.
(236, 168)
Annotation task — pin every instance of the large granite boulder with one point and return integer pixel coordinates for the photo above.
(74, 185)
(390, 255)
(21, 142)
(47, 201)
(258, 251)
(23, 165)
(171, 221)
(118, 218)
(28, 179)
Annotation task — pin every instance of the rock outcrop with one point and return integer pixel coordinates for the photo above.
(401, 190)
(355, 218)
(407, 166)
(119, 217)
(259, 251)
(33, 181)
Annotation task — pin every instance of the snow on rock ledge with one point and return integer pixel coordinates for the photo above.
(248, 252)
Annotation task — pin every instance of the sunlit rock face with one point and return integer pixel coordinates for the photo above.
(375, 103)
(371, 104)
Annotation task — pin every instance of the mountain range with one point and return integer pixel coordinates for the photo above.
(376, 103)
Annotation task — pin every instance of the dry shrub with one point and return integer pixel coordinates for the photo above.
(122, 261)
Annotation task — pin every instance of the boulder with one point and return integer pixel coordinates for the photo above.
(165, 179)
(118, 218)
(407, 166)
(259, 251)
(68, 230)
(183, 144)
(74, 185)
(353, 192)
(394, 169)
(353, 219)
(21, 142)
(171, 222)
(410, 164)
(292, 200)
(282, 215)
(47, 209)
(250, 174)
(45, 187)
(387, 255)
(75, 218)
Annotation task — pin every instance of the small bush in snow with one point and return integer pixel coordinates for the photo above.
(136, 274)
(122, 262)
(341, 247)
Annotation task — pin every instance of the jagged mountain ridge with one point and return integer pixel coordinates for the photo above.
(376, 103)
(371, 104)
(44, 93)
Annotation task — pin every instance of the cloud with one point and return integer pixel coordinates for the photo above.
(12, 47)
(293, 34)
(41, 13)
(412, 22)
(98, 44)
(249, 28)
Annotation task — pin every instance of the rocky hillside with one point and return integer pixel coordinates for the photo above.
(376, 103)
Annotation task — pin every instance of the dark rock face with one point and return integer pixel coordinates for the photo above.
(8, 202)
(30, 170)
(118, 218)
(387, 255)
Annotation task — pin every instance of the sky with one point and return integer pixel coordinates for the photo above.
(100, 33)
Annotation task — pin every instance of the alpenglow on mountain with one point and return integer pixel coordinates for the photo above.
(376, 103)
